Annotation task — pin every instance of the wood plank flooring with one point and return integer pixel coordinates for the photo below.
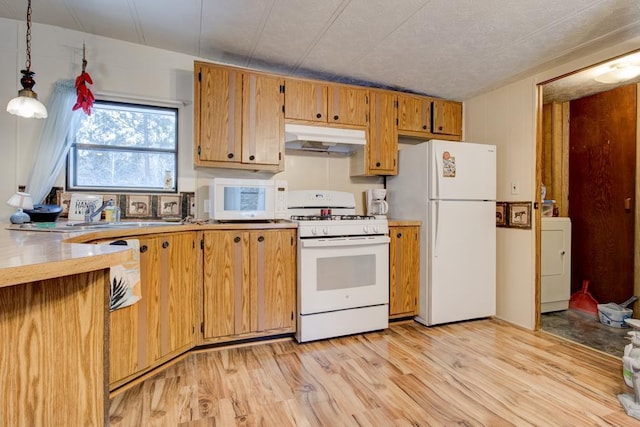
(479, 373)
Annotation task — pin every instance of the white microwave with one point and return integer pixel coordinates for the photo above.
(234, 199)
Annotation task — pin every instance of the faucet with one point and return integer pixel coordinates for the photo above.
(92, 212)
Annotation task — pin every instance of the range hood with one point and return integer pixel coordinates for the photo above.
(323, 139)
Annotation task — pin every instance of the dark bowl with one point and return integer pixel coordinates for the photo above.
(44, 213)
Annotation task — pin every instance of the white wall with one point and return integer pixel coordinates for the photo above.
(506, 117)
(133, 71)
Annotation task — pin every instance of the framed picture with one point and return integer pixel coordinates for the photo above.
(501, 214)
(520, 214)
(138, 206)
(169, 206)
(63, 200)
(191, 205)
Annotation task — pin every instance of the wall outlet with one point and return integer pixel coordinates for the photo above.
(206, 206)
(515, 187)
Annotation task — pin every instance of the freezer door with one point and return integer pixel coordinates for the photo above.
(462, 261)
(462, 171)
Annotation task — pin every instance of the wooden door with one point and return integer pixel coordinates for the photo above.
(404, 271)
(273, 277)
(446, 117)
(218, 114)
(601, 180)
(178, 261)
(348, 105)
(263, 119)
(414, 115)
(382, 145)
(304, 100)
(226, 283)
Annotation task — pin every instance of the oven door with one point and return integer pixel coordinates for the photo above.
(338, 273)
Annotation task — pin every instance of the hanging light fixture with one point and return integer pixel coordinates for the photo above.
(26, 104)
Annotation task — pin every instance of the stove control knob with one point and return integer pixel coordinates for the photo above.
(314, 231)
(375, 229)
(325, 230)
(365, 229)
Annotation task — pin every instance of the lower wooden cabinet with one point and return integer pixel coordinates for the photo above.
(249, 284)
(162, 324)
(404, 270)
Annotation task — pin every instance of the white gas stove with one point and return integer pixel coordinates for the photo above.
(343, 266)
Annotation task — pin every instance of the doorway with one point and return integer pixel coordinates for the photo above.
(589, 168)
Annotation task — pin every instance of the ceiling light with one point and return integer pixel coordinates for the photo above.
(26, 104)
(617, 73)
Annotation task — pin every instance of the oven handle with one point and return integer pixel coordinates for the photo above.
(344, 241)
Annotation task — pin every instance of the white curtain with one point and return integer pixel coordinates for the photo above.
(56, 138)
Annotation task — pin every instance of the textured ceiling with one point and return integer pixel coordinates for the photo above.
(454, 49)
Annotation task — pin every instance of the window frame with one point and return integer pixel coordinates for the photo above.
(71, 171)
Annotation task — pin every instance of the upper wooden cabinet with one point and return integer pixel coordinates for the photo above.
(320, 102)
(348, 105)
(305, 100)
(382, 144)
(239, 119)
(249, 284)
(414, 115)
(446, 117)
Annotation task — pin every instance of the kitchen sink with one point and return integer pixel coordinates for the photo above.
(69, 227)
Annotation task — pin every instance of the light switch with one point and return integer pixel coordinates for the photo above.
(515, 188)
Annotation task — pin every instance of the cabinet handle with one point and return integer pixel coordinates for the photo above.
(230, 156)
(335, 117)
(377, 164)
(260, 239)
(439, 127)
(399, 235)
(318, 115)
(562, 253)
(165, 245)
(236, 239)
(252, 157)
(143, 249)
(424, 127)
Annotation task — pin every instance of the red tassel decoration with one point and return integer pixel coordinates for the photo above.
(85, 96)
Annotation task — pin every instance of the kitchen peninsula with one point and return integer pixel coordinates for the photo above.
(53, 299)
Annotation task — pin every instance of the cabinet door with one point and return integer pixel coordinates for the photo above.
(305, 100)
(348, 105)
(178, 280)
(414, 115)
(382, 145)
(263, 119)
(226, 283)
(446, 117)
(273, 275)
(404, 271)
(218, 114)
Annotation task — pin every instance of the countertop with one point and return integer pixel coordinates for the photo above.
(403, 223)
(29, 256)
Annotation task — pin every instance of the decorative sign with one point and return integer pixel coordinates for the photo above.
(80, 204)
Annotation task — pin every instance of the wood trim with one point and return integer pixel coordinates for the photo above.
(538, 199)
(636, 259)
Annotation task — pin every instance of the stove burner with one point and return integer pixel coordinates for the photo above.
(330, 217)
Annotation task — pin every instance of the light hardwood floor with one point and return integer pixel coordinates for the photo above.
(479, 373)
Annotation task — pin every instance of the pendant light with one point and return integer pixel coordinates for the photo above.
(26, 104)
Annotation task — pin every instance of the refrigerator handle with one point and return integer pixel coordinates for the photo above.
(436, 225)
(437, 177)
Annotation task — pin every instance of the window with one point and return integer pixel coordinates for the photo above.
(125, 147)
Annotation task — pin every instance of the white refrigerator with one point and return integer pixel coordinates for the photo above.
(451, 188)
